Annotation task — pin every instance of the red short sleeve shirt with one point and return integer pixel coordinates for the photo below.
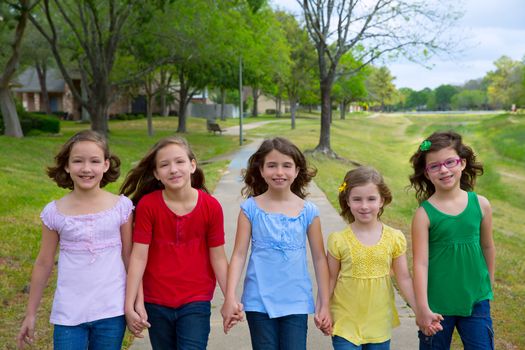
(178, 270)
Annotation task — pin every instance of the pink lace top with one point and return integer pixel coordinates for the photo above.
(91, 275)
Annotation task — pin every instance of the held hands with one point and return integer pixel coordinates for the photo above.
(323, 319)
(429, 322)
(137, 320)
(27, 332)
(232, 313)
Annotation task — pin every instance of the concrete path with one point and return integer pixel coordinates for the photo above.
(228, 193)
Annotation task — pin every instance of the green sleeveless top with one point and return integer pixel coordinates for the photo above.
(458, 276)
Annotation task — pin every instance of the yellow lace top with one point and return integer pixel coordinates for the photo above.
(363, 307)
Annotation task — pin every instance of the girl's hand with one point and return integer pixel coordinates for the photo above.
(137, 322)
(429, 322)
(27, 332)
(232, 313)
(323, 320)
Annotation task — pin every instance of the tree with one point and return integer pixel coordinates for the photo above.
(90, 33)
(443, 95)
(382, 28)
(349, 87)
(13, 21)
(506, 85)
(469, 99)
(380, 86)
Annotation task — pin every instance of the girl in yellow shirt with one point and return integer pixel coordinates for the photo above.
(360, 260)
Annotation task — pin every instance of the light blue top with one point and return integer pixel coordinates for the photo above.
(277, 280)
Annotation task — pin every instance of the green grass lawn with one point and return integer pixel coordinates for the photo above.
(385, 142)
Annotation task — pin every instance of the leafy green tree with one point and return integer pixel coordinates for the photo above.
(469, 99)
(350, 85)
(13, 22)
(443, 95)
(382, 28)
(380, 86)
(506, 85)
(90, 32)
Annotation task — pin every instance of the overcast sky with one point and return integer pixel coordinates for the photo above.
(495, 28)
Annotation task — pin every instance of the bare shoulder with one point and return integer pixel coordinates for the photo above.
(484, 204)
(420, 215)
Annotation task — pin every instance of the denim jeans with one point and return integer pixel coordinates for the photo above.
(280, 333)
(183, 328)
(475, 331)
(340, 343)
(105, 334)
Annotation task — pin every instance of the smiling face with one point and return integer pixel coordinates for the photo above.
(442, 177)
(365, 203)
(86, 165)
(173, 167)
(279, 170)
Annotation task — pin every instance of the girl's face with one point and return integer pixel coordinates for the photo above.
(365, 202)
(279, 170)
(86, 165)
(444, 168)
(173, 167)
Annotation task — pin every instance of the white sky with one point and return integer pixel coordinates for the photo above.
(496, 28)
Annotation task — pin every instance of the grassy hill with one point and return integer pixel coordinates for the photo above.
(383, 141)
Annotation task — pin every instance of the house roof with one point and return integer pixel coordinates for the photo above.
(28, 81)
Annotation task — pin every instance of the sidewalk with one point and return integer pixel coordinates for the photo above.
(228, 193)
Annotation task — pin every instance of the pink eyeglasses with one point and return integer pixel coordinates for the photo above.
(449, 164)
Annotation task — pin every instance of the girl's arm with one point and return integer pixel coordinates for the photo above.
(240, 251)
(404, 281)
(420, 225)
(323, 319)
(137, 265)
(127, 243)
(219, 264)
(41, 270)
(487, 241)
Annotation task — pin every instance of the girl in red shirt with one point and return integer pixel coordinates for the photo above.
(178, 248)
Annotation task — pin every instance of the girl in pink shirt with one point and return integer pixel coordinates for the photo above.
(178, 248)
(92, 228)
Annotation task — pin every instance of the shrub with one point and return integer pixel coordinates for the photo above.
(34, 123)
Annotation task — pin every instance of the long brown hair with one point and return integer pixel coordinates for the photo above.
(254, 182)
(436, 142)
(141, 179)
(58, 172)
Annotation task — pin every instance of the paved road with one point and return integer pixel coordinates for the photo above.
(228, 193)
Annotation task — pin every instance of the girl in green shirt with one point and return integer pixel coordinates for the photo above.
(452, 244)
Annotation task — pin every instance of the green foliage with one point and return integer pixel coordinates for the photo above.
(34, 123)
(443, 96)
(469, 99)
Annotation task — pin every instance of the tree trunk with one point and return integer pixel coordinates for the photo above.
(326, 111)
(223, 103)
(149, 113)
(12, 125)
(41, 71)
(293, 108)
(342, 106)
(255, 95)
(99, 121)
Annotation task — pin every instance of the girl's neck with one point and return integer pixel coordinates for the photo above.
(180, 195)
(368, 233)
(365, 227)
(94, 193)
(274, 195)
(448, 195)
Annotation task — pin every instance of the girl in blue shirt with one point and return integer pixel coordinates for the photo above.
(276, 219)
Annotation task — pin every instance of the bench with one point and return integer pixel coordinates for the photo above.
(214, 127)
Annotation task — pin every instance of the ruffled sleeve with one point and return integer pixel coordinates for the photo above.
(336, 245)
(125, 209)
(248, 208)
(49, 216)
(400, 244)
(311, 211)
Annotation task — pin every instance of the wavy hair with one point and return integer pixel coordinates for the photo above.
(255, 183)
(361, 176)
(438, 141)
(141, 179)
(58, 173)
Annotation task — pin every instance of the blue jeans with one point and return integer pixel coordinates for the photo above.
(340, 343)
(183, 328)
(105, 334)
(280, 333)
(475, 331)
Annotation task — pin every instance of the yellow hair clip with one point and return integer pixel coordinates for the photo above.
(342, 187)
